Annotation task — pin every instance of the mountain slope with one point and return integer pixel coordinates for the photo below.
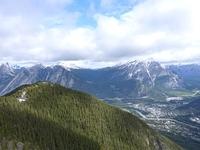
(48, 116)
(189, 73)
(191, 108)
(149, 76)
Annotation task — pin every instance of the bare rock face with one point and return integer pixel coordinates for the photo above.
(20, 146)
(6, 144)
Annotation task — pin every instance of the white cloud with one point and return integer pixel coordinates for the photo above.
(153, 28)
(167, 30)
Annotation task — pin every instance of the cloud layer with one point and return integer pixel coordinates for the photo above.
(50, 31)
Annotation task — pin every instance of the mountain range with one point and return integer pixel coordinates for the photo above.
(132, 79)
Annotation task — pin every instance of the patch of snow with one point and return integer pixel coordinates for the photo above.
(131, 63)
(16, 66)
(23, 97)
(148, 72)
(68, 66)
(130, 75)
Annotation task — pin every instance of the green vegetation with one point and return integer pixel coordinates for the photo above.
(160, 94)
(55, 118)
(181, 93)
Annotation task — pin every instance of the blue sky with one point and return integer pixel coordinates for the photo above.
(100, 31)
(88, 8)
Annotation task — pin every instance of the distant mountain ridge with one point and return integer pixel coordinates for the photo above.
(190, 73)
(132, 79)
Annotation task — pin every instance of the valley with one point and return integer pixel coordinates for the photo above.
(163, 117)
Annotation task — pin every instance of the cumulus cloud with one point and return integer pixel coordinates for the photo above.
(150, 29)
(166, 30)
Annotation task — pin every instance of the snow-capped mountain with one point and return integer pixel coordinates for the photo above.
(6, 69)
(67, 66)
(148, 75)
(132, 79)
(7, 73)
(56, 74)
(149, 72)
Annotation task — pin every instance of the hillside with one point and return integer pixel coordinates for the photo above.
(48, 116)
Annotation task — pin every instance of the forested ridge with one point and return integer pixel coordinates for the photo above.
(46, 116)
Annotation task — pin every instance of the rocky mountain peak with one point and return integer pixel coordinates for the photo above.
(6, 69)
(37, 66)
